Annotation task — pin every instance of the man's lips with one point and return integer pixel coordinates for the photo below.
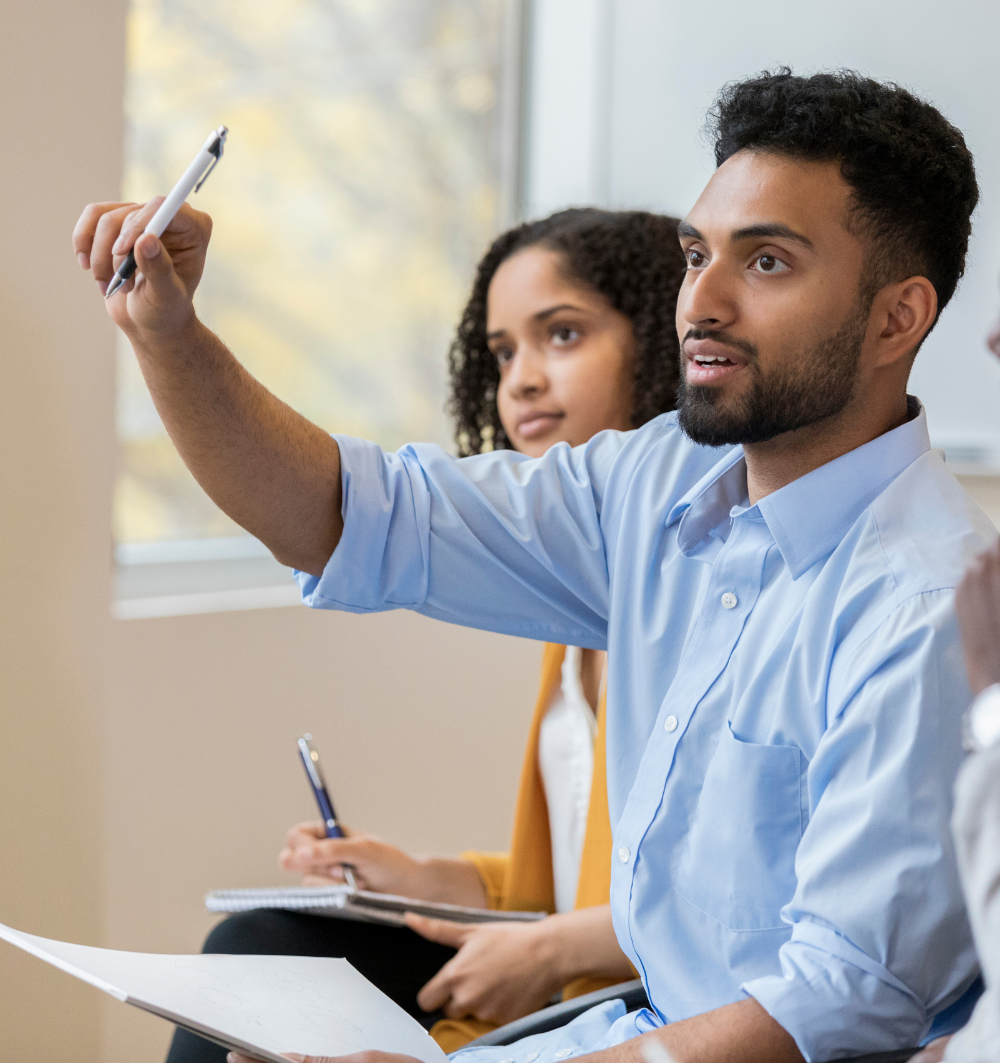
(710, 362)
(537, 423)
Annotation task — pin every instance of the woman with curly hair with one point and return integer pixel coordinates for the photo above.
(569, 331)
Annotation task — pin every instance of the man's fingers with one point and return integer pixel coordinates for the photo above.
(152, 259)
(86, 226)
(105, 234)
(236, 1057)
(133, 226)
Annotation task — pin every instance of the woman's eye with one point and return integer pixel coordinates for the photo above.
(695, 259)
(769, 264)
(503, 355)
(563, 334)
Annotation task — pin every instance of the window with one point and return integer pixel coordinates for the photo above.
(360, 185)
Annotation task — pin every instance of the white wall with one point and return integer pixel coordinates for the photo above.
(631, 81)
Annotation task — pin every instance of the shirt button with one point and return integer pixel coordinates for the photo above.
(729, 600)
(563, 1053)
(531, 1057)
(670, 723)
(624, 854)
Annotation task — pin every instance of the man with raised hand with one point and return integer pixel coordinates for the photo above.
(771, 568)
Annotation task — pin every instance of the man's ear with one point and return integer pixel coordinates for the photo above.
(903, 313)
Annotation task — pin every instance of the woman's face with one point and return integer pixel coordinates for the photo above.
(566, 357)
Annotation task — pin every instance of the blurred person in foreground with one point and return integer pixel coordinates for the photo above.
(568, 331)
(976, 819)
(771, 569)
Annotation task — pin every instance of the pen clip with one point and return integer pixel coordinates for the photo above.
(216, 149)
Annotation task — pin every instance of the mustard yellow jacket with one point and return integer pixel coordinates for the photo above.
(521, 880)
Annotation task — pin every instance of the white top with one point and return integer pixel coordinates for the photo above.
(566, 760)
(976, 826)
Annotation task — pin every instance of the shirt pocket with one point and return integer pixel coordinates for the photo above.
(737, 863)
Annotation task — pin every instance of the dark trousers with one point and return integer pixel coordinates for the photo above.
(396, 959)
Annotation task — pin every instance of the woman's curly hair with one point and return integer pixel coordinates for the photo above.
(631, 258)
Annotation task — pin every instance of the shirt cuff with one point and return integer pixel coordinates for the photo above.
(380, 562)
(837, 1001)
(602, 1026)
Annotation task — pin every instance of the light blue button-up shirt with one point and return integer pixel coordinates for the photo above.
(785, 688)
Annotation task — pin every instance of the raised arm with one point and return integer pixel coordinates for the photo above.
(274, 472)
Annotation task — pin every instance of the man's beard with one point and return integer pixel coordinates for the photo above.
(819, 386)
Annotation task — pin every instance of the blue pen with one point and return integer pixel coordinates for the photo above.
(314, 773)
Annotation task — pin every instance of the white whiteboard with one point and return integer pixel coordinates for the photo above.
(618, 89)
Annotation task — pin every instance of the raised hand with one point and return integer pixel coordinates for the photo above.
(158, 298)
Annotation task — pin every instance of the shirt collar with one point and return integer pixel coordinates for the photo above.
(809, 516)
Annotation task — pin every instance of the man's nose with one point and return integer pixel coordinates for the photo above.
(707, 299)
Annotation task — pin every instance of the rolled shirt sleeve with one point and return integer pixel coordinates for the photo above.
(497, 541)
(880, 940)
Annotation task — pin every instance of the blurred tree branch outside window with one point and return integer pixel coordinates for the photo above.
(357, 192)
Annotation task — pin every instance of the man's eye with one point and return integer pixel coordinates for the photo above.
(770, 264)
(695, 259)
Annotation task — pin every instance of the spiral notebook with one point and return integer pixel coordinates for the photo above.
(342, 902)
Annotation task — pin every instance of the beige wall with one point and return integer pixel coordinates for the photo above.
(144, 762)
(986, 491)
(420, 725)
(60, 131)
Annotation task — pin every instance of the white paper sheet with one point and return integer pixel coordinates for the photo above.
(263, 1005)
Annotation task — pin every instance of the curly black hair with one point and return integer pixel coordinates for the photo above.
(630, 257)
(912, 177)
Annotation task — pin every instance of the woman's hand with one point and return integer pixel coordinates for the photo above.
(502, 970)
(379, 866)
(506, 970)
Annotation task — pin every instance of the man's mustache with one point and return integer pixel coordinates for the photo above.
(723, 337)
